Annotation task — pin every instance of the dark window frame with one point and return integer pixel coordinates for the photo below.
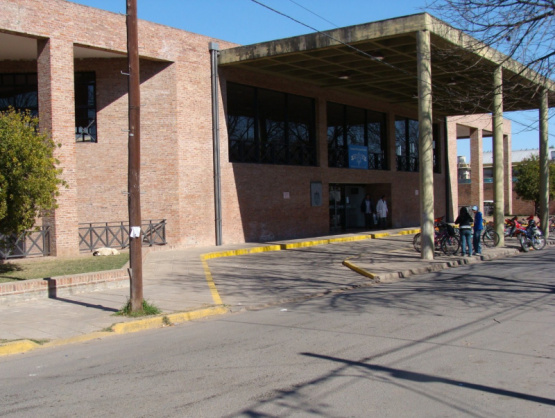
(15, 85)
(85, 112)
(339, 136)
(28, 85)
(409, 160)
(265, 132)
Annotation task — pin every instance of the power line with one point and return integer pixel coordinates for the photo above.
(380, 59)
(315, 14)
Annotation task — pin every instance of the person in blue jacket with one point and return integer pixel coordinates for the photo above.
(478, 226)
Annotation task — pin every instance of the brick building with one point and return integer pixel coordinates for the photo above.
(307, 126)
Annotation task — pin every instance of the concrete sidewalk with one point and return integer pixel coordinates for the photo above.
(194, 283)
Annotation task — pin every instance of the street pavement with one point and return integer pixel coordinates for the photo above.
(194, 283)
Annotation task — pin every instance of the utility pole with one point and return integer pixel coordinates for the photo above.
(134, 160)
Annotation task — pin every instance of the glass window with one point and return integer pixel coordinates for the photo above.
(406, 144)
(270, 127)
(19, 91)
(437, 149)
(85, 107)
(348, 125)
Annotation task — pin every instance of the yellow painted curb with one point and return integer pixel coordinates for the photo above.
(202, 313)
(17, 347)
(161, 321)
(350, 239)
(303, 244)
(409, 232)
(138, 325)
(241, 251)
(380, 235)
(359, 270)
(78, 339)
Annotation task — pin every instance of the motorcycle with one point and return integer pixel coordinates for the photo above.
(532, 236)
(513, 228)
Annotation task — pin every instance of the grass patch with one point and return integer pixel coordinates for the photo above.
(42, 341)
(147, 310)
(39, 269)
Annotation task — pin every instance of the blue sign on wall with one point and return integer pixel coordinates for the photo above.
(358, 157)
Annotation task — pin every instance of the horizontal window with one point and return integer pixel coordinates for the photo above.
(356, 137)
(270, 127)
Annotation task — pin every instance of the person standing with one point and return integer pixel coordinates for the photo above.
(464, 220)
(478, 226)
(366, 208)
(381, 209)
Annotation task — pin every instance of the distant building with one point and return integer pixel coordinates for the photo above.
(464, 174)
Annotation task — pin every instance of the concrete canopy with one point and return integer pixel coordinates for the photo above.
(379, 60)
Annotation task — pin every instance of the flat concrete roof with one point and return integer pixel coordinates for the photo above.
(378, 60)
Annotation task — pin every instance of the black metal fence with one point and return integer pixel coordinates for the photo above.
(116, 234)
(26, 244)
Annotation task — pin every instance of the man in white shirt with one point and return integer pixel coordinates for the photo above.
(381, 209)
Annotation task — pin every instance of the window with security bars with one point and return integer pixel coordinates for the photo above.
(85, 107)
(406, 141)
(20, 91)
(406, 144)
(348, 125)
(270, 127)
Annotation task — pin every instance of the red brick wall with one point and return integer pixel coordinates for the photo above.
(264, 213)
(176, 138)
(520, 207)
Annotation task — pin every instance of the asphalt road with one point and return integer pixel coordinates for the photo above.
(473, 341)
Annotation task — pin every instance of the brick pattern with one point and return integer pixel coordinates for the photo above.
(519, 207)
(176, 136)
(62, 285)
(57, 117)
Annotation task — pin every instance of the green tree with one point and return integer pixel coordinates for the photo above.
(527, 186)
(29, 179)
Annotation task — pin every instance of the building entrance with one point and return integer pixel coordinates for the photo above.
(345, 201)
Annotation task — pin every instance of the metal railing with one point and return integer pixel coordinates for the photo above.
(28, 243)
(116, 234)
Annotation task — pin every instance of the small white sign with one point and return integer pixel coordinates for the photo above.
(135, 232)
(416, 192)
(286, 195)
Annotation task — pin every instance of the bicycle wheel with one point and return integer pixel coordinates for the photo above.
(538, 242)
(417, 242)
(490, 238)
(450, 245)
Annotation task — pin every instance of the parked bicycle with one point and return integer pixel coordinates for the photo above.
(490, 238)
(445, 238)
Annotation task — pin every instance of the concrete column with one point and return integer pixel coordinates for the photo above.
(57, 117)
(544, 163)
(425, 143)
(507, 155)
(498, 189)
(476, 169)
(453, 171)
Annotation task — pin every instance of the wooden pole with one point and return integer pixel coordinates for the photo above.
(134, 160)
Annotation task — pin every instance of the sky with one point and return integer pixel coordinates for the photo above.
(248, 22)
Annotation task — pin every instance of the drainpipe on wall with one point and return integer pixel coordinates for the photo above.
(214, 49)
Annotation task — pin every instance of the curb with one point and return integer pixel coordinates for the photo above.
(161, 321)
(396, 276)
